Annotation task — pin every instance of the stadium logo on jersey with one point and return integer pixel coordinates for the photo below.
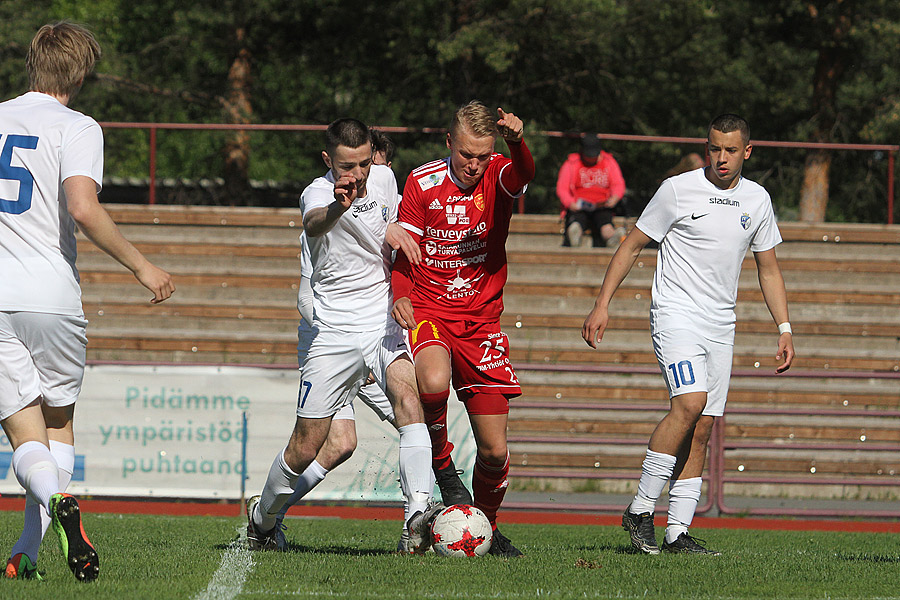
(478, 200)
(725, 201)
(456, 215)
(429, 181)
(745, 221)
(359, 209)
(435, 205)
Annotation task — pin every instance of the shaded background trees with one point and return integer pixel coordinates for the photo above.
(824, 70)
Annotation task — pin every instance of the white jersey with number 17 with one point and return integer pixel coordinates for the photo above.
(704, 233)
(42, 143)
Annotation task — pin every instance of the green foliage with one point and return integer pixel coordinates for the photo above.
(653, 67)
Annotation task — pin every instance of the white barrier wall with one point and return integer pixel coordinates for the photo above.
(176, 431)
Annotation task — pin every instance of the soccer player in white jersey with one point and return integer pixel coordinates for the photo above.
(349, 218)
(51, 168)
(341, 441)
(704, 221)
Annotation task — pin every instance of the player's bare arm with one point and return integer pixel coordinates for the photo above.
(319, 221)
(399, 239)
(510, 126)
(622, 261)
(98, 226)
(771, 282)
(403, 313)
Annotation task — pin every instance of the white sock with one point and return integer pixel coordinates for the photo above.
(309, 479)
(416, 475)
(279, 487)
(36, 518)
(684, 495)
(655, 473)
(37, 471)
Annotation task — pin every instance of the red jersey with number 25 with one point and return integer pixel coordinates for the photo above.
(462, 234)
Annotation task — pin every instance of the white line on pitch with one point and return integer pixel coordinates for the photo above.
(228, 580)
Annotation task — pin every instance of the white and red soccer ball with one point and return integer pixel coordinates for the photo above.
(461, 530)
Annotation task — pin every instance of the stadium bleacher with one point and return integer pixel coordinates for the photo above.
(828, 429)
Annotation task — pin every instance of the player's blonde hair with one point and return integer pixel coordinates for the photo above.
(61, 55)
(475, 118)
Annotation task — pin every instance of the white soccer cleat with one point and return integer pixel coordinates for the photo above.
(416, 536)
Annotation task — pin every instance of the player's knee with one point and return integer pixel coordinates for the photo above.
(688, 407)
(493, 453)
(433, 381)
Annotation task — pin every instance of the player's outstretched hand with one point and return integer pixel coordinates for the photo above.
(157, 281)
(403, 313)
(345, 190)
(399, 239)
(785, 351)
(594, 326)
(510, 126)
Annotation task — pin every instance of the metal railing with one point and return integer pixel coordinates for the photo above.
(153, 128)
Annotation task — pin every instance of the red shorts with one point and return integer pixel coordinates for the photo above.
(479, 357)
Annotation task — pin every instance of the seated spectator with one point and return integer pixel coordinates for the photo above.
(589, 186)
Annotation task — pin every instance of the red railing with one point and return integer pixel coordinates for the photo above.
(890, 149)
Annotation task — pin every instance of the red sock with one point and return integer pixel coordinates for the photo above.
(489, 485)
(435, 408)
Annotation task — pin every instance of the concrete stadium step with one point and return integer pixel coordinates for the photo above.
(617, 350)
(582, 390)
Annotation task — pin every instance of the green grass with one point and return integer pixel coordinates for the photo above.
(177, 557)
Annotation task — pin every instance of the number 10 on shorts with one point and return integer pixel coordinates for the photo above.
(682, 373)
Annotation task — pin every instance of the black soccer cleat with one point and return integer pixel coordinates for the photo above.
(453, 490)
(80, 554)
(640, 527)
(501, 546)
(688, 544)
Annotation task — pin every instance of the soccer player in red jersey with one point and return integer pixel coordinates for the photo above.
(458, 209)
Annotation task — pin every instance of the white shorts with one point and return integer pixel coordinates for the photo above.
(369, 393)
(42, 355)
(336, 367)
(691, 363)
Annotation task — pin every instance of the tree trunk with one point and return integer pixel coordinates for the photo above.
(814, 195)
(238, 110)
(830, 67)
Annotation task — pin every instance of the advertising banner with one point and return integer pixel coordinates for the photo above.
(178, 432)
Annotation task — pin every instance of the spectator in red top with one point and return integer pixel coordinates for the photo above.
(589, 186)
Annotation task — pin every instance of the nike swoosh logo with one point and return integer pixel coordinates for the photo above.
(695, 217)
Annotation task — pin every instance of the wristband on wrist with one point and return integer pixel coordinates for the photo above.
(785, 328)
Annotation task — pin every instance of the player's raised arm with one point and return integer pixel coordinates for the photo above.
(511, 127)
(771, 282)
(619, 267)
(319, 221)
(98, 226)
(512, 131)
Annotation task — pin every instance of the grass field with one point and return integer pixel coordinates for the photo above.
(146, 556)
